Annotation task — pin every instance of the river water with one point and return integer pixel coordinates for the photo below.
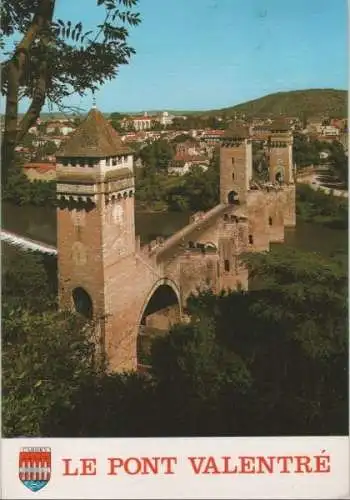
(39, 223)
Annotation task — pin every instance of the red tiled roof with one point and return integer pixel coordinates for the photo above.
(40, 167)
(141, 118)
(214, 132)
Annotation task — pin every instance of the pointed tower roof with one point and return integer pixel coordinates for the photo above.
(236, 130)
(94, 138)
(279, 125)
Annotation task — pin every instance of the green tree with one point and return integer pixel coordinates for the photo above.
(316, 206)
(339, 161)
(193, 375)
(49, 148)
(53, 58)
(46, 358)
(29, 281)
(267, 362)
(156, 155)
(21, 191)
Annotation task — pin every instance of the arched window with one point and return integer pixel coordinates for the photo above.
(233, 162)
(270, 221)
(82, 302)
(251, 241)
(226, 265)
(233, 173)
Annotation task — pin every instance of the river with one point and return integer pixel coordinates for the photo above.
(39, 223)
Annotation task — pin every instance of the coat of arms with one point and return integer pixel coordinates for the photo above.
(34, 467)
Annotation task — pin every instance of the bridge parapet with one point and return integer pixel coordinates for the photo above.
(182, 236)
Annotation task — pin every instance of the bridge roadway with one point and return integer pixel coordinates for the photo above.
(185, 233)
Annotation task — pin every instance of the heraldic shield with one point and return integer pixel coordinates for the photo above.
(35, 467)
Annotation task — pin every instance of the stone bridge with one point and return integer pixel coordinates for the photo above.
(132, 290)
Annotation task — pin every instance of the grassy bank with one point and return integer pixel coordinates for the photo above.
(320, 208)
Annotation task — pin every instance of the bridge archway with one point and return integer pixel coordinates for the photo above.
(232, 198)
(279, 176)
(209, 245)
(161, 309)
(82, 302)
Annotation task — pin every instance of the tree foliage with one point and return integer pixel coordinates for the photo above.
(194, 191)
(156, 156)
(267, 362)
(316, 206)
(21, 191)
(56, 58)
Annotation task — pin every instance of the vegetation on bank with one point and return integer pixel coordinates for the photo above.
(318, 207)
(19, 190)
(307, 152)
(213, 376)
(195, 191)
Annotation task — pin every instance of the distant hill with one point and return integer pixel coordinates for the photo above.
(308, 103)
(311, 102)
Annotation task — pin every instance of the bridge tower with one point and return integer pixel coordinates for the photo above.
(95, 218)
(280, 146)
(280, 153)
(235, 165)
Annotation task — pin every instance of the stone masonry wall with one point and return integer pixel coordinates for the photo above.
(80, 256)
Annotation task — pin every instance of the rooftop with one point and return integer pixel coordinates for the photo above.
(94, 138)
(236, 130)
(279, 125)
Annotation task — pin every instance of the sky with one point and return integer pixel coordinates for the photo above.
(209, 54)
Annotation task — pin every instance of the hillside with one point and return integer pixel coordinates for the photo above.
(311, 102)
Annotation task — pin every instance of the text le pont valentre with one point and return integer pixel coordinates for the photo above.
(167, 465)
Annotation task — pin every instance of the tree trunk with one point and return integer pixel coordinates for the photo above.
(10, 133)
(15, 68)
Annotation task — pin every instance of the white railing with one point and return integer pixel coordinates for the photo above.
(26, 244)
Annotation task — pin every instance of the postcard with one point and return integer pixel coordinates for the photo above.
(174, 249)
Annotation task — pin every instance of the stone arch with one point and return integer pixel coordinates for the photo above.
(232, 198)
(125, 195)
(119, 196)
(160, 309)
(82, 302)
(210, 245)
(164, 281)
(279, 176)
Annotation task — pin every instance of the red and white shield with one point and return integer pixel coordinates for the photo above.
(34, 467)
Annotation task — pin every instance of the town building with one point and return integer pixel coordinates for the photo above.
(40, 171)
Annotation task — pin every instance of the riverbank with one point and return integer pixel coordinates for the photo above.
(316, 207)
